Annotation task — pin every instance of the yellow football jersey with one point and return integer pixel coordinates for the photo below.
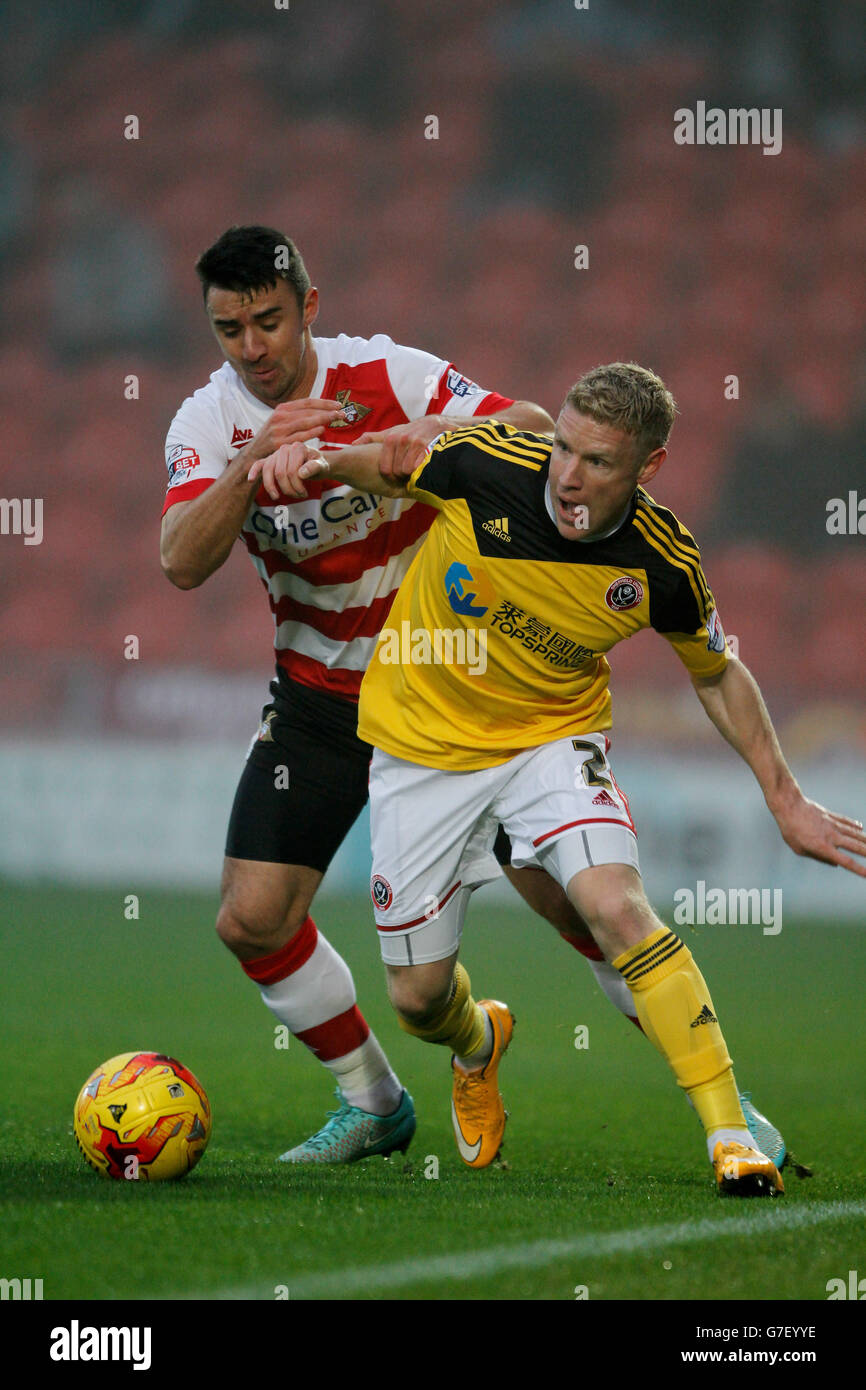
(496, 639)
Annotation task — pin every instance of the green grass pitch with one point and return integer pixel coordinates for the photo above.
(600, 1144)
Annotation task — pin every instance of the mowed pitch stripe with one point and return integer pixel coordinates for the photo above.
(477, 1264)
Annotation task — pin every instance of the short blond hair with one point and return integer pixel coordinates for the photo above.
(628, 397)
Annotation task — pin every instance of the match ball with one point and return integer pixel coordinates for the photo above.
(142, 1115)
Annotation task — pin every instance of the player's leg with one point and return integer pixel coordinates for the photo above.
(263, 905)
(431, 841)
(675, 1010)
(556, 818)
(296, 800)
(308, 987)
(548, 900)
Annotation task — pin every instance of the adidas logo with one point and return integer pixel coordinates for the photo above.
(706, 1015)
(498, 527)
(604, 799)
(240, 437)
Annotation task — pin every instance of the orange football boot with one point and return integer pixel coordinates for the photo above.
(477, 1111)
(742, 1172)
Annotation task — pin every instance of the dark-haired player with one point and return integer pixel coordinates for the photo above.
(547, 556)
(331, 566)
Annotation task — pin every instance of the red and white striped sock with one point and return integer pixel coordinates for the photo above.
(309, 988)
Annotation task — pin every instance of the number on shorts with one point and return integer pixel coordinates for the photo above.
(594, 765)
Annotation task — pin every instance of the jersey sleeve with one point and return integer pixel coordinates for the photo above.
(428, 385)
(458, 395)
(690, 622)
(439, 476)
(195, 456)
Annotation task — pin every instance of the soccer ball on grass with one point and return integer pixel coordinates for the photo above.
(142, 1115)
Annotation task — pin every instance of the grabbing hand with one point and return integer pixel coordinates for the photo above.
(404, 446)
(284, 471)
(293, 422)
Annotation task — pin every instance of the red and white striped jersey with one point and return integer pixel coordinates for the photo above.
(332, 563)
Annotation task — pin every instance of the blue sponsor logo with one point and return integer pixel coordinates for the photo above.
(463, 599)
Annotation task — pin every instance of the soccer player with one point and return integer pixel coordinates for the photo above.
(543, 557)
(331, 567)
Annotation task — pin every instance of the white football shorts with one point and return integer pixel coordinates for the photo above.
(432, 835)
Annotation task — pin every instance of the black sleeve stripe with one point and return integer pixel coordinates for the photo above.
(689, 554)
(668, 518)
(436, 473)
(513, 448)
(508, 431)
(521, 449)
(507, 457)
(669, 524)
(448, 439)
(686, 553)
(664, 550)
(510, 440)
(497, 432)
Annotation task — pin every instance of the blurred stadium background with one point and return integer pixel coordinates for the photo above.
(555, 130)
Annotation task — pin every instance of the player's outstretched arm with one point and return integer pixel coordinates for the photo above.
(523, 415)
(404, 446)
(286, 471)
(735, 705)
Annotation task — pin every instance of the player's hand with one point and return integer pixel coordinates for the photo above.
(813, 831)
(293, 422)
(283, 472)
(404, 446)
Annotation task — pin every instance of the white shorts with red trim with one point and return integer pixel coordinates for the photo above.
(433, 832)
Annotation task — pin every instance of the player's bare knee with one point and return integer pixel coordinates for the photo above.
(263, 905)
(418, 994)
(246, 929)
(615, 908)
(236, 933)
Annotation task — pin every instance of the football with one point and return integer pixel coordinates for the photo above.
(142, 1115)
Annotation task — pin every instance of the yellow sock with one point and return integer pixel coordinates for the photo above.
(676, 1012)
(460, 1025)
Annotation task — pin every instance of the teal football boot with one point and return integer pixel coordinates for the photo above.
(352, 1134)
(767, 1138)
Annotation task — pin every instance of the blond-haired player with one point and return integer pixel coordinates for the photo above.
(548, 555)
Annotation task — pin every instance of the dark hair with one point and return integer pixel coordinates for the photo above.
(629, 397)
(248, 259)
